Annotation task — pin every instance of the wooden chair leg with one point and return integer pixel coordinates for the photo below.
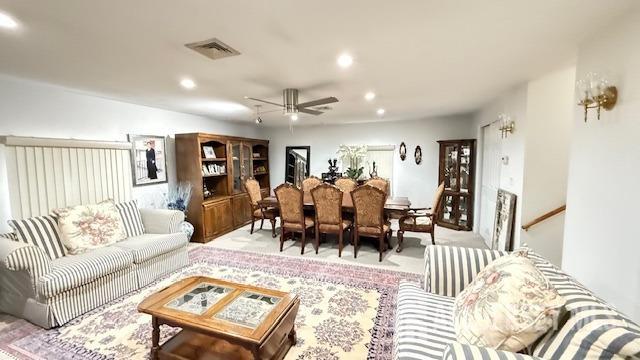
(282, 234)
(355, 244)
(253, 221)
(304, 234)
(433, 237)
(261, 223)
(381, 245)
(340, 244)
(317, 236)
(273, 227)
(400, 239)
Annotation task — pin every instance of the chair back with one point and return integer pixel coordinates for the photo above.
(327, 200)
(437, 201)
(380, 183)
(368, 204)
(290, 202)
(310, 183)
(253, 189)
(346, 184)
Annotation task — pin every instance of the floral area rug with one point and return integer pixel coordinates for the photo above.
(346, 312)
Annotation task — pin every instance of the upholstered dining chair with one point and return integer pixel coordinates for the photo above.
(369, 220)
(310, 183)
(290, 202)
(421, 220)
(380, 183)
(327, 200)
(258, 211)
(346, 184)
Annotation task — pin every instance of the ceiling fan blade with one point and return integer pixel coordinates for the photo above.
(309, 111)
(328, 100)
(264, 101)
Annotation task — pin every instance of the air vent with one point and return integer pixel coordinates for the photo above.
(213, 49)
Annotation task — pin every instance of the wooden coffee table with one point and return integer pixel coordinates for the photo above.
(222, 320)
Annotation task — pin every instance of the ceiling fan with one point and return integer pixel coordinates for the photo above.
(291, 106)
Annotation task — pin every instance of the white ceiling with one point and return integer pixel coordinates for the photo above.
(421, 57)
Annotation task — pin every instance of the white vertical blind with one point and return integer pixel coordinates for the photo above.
(45, 174)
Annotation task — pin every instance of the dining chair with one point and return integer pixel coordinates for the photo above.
(369, 220)
(346, 184)
(421, 220)
(290, 202)
(310, 183)
(380, 183)
(252, 186)
(327, 200)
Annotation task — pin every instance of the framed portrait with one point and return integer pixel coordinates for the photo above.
(504, 220)
(148, 159)
(208, 152)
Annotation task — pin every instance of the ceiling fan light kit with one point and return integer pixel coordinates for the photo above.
(291, 107)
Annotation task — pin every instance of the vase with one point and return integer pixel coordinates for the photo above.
(187, 228)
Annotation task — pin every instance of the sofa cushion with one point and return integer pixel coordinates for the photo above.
(131, 218)
(87, 227)
(590, 328)
(424, 323)
(508, 305)
(73, 271)
(148, 246)
(41, 231)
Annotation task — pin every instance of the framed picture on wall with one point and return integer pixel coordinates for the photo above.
(148, 159)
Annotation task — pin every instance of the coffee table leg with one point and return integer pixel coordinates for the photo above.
(155, 338)
(292, 337)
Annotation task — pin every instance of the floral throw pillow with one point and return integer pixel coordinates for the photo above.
(86, 227)
(507, 306)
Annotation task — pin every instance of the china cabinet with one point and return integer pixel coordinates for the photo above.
(216, 166)
(457, 171)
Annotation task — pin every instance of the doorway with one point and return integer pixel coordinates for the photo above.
(490, 182)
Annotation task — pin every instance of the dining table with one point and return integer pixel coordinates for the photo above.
(391, 206)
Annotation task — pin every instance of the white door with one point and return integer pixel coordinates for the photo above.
(491, 164)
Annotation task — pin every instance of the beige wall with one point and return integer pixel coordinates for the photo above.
(602, 237)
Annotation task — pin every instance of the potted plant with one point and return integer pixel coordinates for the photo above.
(356, 156)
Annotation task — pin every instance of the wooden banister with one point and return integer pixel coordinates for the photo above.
(544, 217)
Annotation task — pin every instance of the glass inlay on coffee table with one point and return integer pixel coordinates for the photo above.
(249, 309)
(199, 299)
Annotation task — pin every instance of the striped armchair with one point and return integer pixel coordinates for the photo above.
(424, 319)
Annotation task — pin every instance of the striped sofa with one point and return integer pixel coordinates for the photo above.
(588, 329)
(50, 293)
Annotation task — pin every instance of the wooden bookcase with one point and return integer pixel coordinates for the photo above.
(457, 171)
(224, 206)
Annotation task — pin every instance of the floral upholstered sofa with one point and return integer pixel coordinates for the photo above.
(51, 290)
(588, 327)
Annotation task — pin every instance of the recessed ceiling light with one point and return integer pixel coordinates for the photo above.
(188, 83)
(294, 117)
(380, 112)
(345, 60)
(370, 96)
(7, 21)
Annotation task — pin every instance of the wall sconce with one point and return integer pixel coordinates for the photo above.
(507, 126)
(595, 92)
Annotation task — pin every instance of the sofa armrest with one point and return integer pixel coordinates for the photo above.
(161, 221)
(458, 351)
(18, 256)
(448, 269)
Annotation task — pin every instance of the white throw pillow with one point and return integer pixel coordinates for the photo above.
(507, 306)
(85, 227)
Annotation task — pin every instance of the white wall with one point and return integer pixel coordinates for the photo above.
(34, 109)
(550, 108)
(418, 182)
(602, 237)
(513, 103)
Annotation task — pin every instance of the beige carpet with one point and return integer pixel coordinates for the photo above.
(409, 260)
